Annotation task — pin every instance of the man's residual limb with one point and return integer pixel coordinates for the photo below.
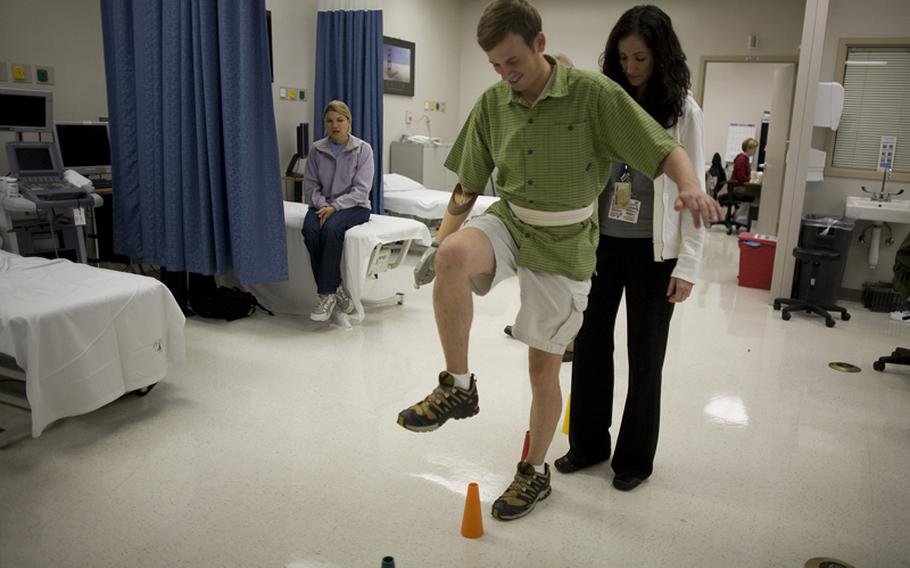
(460, 204)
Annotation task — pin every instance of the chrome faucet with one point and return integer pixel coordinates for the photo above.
(882, 195)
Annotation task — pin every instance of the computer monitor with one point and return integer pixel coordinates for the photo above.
(26, 111)
(33, 159)
(84, 147)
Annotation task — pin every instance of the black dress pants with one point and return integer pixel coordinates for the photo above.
(623, 265)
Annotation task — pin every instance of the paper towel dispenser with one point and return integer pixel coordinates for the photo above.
(829, 104)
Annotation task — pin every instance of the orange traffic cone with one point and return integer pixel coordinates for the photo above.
(527, 444)
(472, 522)
(565, 423)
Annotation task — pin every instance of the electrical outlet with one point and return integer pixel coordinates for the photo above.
(44, 74)
(3, 76)
(21, 72)
(292, 94)
(301, 94)
(442, 107)
(408, 117)
(283, 93)
(426, 105)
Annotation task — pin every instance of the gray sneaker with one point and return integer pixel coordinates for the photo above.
(324, 308)
(345, 303)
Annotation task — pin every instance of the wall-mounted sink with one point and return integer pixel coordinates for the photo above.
(864, 208)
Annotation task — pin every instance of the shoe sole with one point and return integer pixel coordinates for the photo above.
(497, 515)
(436, 426)
(320, 317)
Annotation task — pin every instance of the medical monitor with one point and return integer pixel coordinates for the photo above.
(84, 147)
(34, 159)
(26, 111)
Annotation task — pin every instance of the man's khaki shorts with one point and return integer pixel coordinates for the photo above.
(552, 306)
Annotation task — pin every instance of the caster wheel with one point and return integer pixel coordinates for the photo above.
(785, 316)
(508, 330)
(878, 366)
(829, 323)
(144, 391)
(776, 305)
(845, 317)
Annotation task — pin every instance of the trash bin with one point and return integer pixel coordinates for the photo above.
(826, 233)
(756, 260)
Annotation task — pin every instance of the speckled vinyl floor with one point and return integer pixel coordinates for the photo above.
(276, 445)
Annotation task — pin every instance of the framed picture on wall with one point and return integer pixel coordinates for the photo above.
(397, 66)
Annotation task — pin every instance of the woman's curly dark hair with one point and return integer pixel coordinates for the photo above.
(665, 93)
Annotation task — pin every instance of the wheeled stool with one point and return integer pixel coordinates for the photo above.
(811, 304)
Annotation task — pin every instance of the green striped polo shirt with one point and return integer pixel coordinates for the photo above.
(555, 156)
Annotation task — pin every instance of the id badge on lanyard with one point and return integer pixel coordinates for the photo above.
(623, 207)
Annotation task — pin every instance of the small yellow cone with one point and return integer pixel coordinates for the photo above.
(565, 423)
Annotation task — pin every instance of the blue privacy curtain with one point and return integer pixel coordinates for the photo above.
(193, 142)
(349, 69)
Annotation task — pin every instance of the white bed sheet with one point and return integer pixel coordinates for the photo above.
(429, 204)
(298, 294)
(84, 336)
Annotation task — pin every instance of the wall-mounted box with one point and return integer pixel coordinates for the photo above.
(44, 74)
(829, 105)
(21, 72)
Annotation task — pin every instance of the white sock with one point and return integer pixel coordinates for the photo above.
(462, 381)
(541, 469)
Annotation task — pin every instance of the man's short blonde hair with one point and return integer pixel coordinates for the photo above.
(749, 143)
(502, 17)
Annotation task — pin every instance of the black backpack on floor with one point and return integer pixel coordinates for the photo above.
(217, 302)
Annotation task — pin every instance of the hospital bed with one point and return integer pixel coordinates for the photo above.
(80, 337)
(404, 196)
(378, 245)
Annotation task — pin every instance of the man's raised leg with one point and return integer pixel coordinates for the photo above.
(462, 257)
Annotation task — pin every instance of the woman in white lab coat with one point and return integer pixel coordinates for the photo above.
(648, 252)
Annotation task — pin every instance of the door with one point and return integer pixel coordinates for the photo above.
(776, 150)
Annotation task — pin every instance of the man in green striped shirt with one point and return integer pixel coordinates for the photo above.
(551, 132)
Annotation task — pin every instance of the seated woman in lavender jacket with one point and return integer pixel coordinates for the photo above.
(336, 185)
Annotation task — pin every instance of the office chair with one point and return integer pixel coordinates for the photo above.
(731, 199)
(899, 356)
(813, 300)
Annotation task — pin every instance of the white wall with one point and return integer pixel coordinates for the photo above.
(294, 53)
(846, 18)
(433, 26)
(735, 92)
(580, 28)
(70, 41)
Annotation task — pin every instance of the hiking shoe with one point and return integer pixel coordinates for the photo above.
(345, 303)
(323, 309)
(446, 401)
(528, 488)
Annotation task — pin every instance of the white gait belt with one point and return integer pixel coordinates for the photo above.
(552, 218)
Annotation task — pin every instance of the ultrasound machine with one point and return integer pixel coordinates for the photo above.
(42, 206)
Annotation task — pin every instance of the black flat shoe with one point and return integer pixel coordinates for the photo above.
(566, 465)
(626, 482)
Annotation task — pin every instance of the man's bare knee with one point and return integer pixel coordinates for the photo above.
(451, 258)
(466, 253)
